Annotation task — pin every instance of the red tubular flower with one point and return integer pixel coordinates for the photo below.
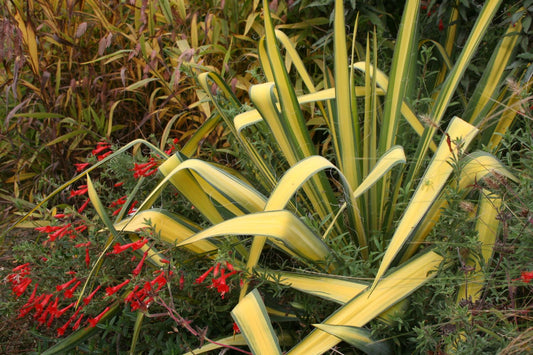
(118, 184)
(47, 229)
(83, 206)
(101, 147)
(95, 320)
(20, 288)
(81, 166)
(105, 155)
(80, 228)
(70, 292)
(23, 266)
(87, 257)
(60, 233)
(130, 295)
(112, 290)
(182, 281)
(62, 311)
(139, 266)
(88, 299)
(118, 202)
(82, 190)
(32, 296)
(145, 169)
(217, 268)
(160, 280)
(236, 328)
(441, 25)
(139, 244)
(201, 279)
(78, 322)
(52, 308)
(132, 208)
(23, 312)
(117, 248)
(61, 331)
(526, 276)
(39, 306)
(81, 245)
(61, 287)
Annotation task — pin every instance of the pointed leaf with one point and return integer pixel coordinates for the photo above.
(253, 321)
(487, 224)
(357, 337)
(428, 190)
(282, 227)
(368, 305)
(170, 228)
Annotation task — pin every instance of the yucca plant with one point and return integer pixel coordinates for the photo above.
(363, 196)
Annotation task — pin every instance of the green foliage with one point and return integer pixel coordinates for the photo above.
(351, 225)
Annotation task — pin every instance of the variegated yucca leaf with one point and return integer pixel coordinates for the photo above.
(359, 200)
(251, 316)
(487, 225)
(368, 305)
(477, 166)
(282, 227)
(451, 82)
(357, 337)
(171, 228)
(237, 339)
(460, 134)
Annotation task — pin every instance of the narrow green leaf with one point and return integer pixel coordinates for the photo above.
(452, 81)
(136, 331)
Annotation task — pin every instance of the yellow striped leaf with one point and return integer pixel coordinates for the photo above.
(357, 337)
(461, 134)
(281, 227)
(253, 321)
(368, 305)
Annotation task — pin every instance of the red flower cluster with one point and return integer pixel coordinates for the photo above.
(118, 248)
(140, 298)
(102, 150)
(220, 283)
(19, 280)
(68, 229)
(81, 166)
(145, 169)
(526, 276)
(121, 201)
(82, 190)
(45, 306)
(46, 309)
(172, 148)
